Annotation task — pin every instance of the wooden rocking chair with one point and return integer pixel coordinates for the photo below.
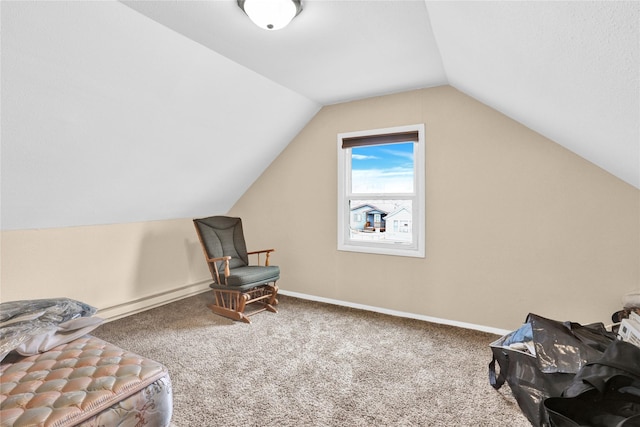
(236, 283)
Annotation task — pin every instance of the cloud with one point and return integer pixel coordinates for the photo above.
(398, 153)
(392, 180)
(363, 157)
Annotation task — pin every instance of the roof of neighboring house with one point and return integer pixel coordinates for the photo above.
(372, 208)
(397, 211)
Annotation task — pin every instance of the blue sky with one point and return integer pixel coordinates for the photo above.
(386, 168)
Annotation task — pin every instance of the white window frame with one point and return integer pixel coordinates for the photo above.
(418, 214)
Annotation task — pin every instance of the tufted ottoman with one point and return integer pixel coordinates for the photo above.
(86, 382)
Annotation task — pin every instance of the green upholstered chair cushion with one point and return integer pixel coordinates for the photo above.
(247, 277)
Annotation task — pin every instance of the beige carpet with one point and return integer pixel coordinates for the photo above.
(314, 364)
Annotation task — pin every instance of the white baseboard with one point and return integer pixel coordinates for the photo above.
(465, 325)
(152, 301)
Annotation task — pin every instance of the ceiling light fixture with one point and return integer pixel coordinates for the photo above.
(271, 14)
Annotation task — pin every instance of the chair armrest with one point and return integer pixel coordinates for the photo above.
(261, 251)
(213, 262)
(267, 251)
(222, 258)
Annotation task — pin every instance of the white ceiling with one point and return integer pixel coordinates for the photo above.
(118, 112)
(109, 117)
(334, 51)
(568, 70)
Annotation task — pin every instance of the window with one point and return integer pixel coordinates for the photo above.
(381, 206)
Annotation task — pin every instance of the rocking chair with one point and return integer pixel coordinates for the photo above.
(236, 284)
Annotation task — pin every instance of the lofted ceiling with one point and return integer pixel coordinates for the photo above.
(125, 111)
(568, 70)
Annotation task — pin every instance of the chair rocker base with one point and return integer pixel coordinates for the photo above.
(232, 304)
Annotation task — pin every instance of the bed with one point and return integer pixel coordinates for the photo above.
(54, 374)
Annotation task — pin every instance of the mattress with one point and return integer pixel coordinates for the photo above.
(86, 382)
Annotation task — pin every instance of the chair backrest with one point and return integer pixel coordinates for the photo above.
(222, 236)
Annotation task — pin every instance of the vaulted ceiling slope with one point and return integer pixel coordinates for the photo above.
(117, 112)
(109, 117)
(568, 70)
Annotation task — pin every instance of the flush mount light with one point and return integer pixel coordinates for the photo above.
(271, 14)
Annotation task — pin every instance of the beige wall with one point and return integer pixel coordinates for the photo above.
(119, 268)
(515, 223)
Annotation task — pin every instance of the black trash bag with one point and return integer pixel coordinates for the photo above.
(541, 359)
(604, 393)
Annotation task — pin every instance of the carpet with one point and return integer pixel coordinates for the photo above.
(316, 364)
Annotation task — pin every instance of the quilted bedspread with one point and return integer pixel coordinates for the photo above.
(74, 382)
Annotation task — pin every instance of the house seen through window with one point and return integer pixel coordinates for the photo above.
(381, 191)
